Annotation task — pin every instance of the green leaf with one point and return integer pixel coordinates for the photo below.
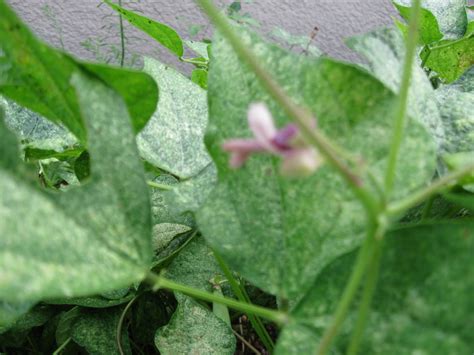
(199, 76)
(450, 58)
(428, 27)
(423, 301)
(163, 34)
(93, 301)
(276, 232)
(195, 330)
(164, 233)
(10, 312)
(38, 77)
(464, 199)
(99, 238)
(456, 104)
(384, 51)
(450, 15)
(193, 327)
(173, 139)
(95, 330)
(200, 48)
(35, 131)
(190, 194)
(458, 161)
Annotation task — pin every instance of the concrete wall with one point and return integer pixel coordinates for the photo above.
(90, 31)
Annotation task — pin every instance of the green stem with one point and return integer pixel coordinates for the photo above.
(302, 116)
(122, 38)
(369, 289)
(427, 208)
(438, 186)
(118, 333)
(160, 282)
(352, 286)
(62, 347)
(159, 186)
(401, 113)
(239, 291)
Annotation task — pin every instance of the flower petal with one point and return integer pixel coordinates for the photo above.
(300, 162)
(261, 123)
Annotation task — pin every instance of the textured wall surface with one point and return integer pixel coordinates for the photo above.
(90, 31)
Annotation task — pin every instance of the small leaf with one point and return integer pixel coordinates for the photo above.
(450, 15)
(164, 233)
(199, 76)
(163, 34)
(428, 27)
(450, 58)
(200, 48)
(173, 139)
(10, 312)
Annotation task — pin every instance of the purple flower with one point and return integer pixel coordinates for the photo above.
(298, 159)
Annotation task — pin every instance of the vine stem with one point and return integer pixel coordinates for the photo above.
(241, 294)
(159, 186)
(118, 333)
(62, 347)
(369, 290)
(397, 208)
(350, 290)
(302, 116)
(122, 38)
(158, 282)
(401, 113)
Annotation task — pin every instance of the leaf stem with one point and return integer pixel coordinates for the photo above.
(369, 290)
(159, 186)
(401, 112)
(438, 186)
(62, 347)
(352, 286)
(302, 116)
(122, 38)
(160, 282)
(239, 291)
(118, 334)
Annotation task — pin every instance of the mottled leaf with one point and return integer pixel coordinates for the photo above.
(173, 138)
(450, 15)
(164, 233)
(95, 330)
(428, 25)
(384, 50)
(194, 329)
(87, 240)
(38, 77)
(277, 233)
(456, 104)
(163, 34)
(423, 302)
(10, 312)
(190, 194)
(200, 48)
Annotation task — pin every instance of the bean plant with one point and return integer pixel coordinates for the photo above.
(269, 202)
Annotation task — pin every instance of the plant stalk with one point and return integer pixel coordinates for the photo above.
(363, 259)
(241, 294)
(401, 113)
(158, 282)
(438, 186)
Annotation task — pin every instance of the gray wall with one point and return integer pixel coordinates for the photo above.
(74, 23)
